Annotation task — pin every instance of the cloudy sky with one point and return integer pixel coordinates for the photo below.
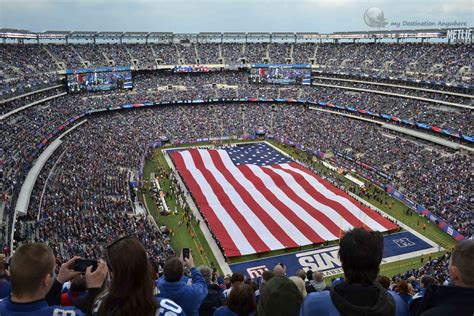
(192, 16)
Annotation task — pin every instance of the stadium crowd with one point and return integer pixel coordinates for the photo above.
(83, 197)
(415, 110)
(28, 99)
(26, 65)
(192, 122)
(125, 281)
(403, 89)
(332, 133)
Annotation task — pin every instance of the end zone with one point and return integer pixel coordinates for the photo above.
(397, 246)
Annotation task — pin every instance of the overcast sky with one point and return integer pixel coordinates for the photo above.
(192, 16)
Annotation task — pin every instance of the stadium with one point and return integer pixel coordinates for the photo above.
(259, 155)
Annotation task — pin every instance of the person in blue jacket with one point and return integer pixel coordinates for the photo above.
(5, 288)
(360, 253)
(188, 296)
(35, 292)
(415, 303)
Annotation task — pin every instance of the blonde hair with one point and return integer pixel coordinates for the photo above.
(300, 285)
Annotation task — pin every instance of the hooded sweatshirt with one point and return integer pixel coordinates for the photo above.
(214, 299)
(189, 297)
(447, 300)
(354, 300)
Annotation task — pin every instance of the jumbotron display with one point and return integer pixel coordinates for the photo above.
(190, 68)
(281, 74)
(99, 79)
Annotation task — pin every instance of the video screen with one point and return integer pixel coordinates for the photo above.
(194, 68)
(281, 74)
(99, 79)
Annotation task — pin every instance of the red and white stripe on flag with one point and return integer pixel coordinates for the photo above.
(254, 209)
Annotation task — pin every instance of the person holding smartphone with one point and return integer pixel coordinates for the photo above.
(35, 287)
(171, 286)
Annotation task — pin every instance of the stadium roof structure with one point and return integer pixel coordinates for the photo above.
(135, 34)
(422, 34)
(82, 33)
(110, 34)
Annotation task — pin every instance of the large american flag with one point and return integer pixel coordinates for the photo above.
(255, 199)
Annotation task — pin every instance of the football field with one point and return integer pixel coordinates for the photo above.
(416, 245)
(256, 200)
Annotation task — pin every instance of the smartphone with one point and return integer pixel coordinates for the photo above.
(81, 265)
(186, 253)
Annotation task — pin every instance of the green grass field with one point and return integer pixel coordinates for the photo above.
(182, 237)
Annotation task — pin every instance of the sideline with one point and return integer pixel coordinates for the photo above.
(202, 225)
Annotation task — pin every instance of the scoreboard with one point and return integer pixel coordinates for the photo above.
(280, 74)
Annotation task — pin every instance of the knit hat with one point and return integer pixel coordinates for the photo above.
(279, 297)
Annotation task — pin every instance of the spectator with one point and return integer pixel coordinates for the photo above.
(155, 274)
(301, 274)
(307, 278)
(279, 297)
(383, 281)
(215, 296)
(254, 286)
(131, 288)
(279, 269)
(3, 267)
(5, 286)
(309, 275)
(266, 276)
(226, 284)
(299, 284)
(188, 296)
(457, 299)
(35, 292)
(425, 281)
(241, 302)
(317, 284)
(360, 253)
(403, 291)
(235, 279)
(77, 289)
(413, 284)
